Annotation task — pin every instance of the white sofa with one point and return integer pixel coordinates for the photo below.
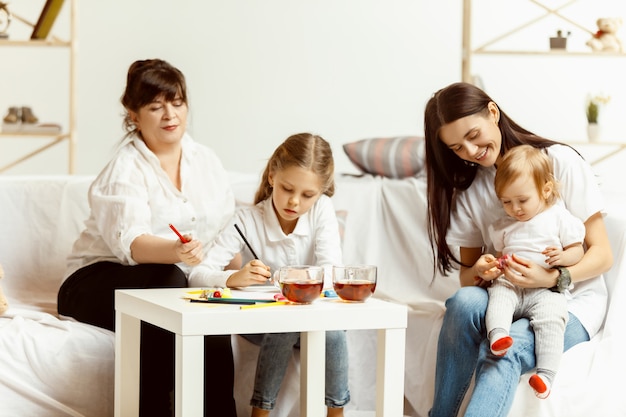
(55, 367)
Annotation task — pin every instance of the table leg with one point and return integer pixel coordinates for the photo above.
(390, 373)
(312, 373)
(189, 376)
(127, 341)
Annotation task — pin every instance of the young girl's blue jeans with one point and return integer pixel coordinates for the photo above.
(464, 348)
(276, 349)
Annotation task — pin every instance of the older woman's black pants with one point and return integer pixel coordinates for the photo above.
(88, 296)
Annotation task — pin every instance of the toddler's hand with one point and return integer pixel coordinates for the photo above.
(553, 255)
(487, 267)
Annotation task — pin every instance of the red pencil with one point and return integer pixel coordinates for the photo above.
(181, 237)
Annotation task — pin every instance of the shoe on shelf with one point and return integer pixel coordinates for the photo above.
(14, 116)
(28, 116)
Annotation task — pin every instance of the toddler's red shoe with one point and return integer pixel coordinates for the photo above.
(501, 345)
(541, 386)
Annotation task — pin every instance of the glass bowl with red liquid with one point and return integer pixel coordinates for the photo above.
(301, 283)
(354, 283)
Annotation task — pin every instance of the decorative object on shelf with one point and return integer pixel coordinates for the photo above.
(5, 20)
(28, 116)
(17, 115)
(593, 132)
(48, 15)
(23, 120)
(13, 116)
(606, 39)
(560, 41)
(594, 103)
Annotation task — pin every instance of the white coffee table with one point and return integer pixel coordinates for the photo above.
(190, 322)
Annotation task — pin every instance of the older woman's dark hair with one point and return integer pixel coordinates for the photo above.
(447, 174)
(147, 80)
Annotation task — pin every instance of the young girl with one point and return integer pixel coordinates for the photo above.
(293, 222)
(539, 229)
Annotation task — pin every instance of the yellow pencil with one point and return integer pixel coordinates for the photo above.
(260, 305)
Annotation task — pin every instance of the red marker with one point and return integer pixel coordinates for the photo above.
(181, 237)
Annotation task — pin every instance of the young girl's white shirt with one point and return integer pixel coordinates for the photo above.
(133, 196)
(314, 241)
(478, 207)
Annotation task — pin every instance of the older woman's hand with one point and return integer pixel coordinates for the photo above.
(526, 274)
(190, 252)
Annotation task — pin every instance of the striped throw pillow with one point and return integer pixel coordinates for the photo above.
(394, 157)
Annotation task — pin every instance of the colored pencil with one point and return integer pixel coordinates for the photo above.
(246, 241)
(181, 237)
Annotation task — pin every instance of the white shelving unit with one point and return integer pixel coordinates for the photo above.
(546, 9)
(486, 48)
(69, 134)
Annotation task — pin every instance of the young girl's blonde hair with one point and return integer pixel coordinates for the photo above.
(526, 160)
(303, 150)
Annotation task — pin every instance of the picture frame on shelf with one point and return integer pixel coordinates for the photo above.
(48, 15)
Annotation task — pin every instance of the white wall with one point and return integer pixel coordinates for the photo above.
(259, 71)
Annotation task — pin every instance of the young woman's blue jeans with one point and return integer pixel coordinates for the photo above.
(276, 349)
(464, 348)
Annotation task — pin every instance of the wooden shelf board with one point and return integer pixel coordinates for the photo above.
(22, 135)
(560, 53)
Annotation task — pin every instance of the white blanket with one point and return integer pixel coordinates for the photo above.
(54, 367)
(50, 367)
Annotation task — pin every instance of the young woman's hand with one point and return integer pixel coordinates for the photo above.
(526, 274)
(190, 253)
(252, 273)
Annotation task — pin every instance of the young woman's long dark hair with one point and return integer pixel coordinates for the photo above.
(447, 174)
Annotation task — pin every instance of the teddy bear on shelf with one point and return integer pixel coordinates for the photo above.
(605, 39)
(3, 301)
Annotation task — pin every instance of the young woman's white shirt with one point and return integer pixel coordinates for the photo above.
(314, 241)
(133, 196)
(478, 207)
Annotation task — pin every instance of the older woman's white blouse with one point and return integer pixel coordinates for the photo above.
(133, 196)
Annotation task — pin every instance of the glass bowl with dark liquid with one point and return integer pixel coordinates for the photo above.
(354, 282)
(301, 283)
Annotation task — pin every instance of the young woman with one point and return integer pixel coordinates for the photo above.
(158, 176)
(466, 135)
(539, 229)
(293, 222)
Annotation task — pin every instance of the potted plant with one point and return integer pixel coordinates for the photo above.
(592, 111)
